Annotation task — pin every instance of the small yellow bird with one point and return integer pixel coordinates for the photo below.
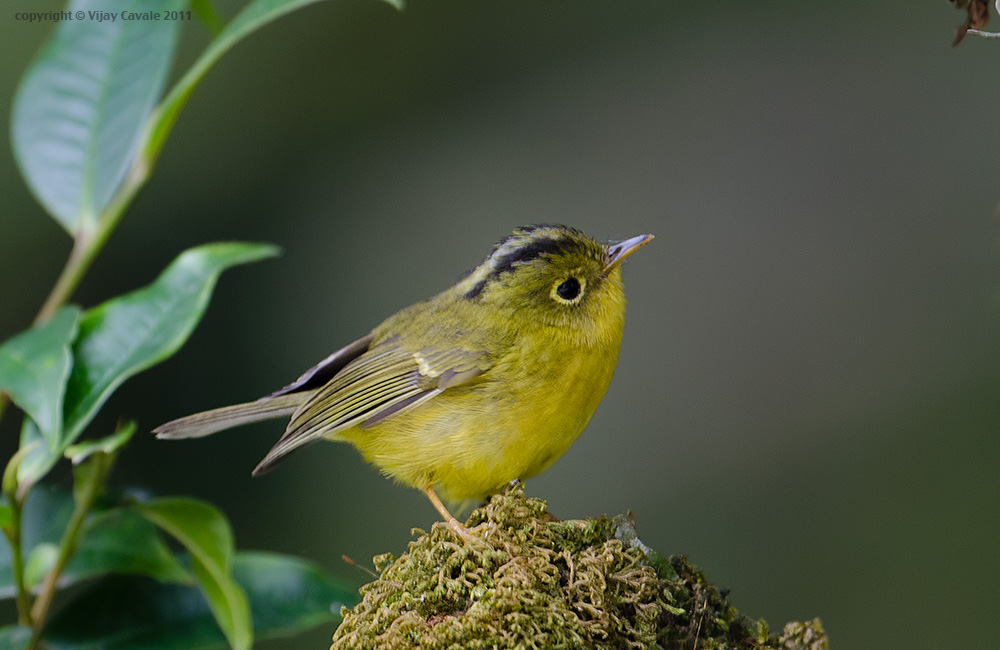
(487, 382)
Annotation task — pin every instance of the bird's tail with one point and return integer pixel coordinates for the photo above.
(209, 422)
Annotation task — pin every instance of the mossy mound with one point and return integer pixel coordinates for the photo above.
(531, 582)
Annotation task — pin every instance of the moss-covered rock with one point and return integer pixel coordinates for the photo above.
(529, 581)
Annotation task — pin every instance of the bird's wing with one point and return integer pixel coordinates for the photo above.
(387, 380)
(325, 370)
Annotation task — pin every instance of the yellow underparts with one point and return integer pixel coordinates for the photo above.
(470, 441)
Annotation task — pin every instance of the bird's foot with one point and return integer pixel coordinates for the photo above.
(460, 530)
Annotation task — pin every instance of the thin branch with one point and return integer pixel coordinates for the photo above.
(13, 531)
(13, 535)
(76, 266)
(85, 496)
(978, 32)
(89, 243)
(209, 16)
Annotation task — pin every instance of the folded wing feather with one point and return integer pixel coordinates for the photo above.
(385, 381)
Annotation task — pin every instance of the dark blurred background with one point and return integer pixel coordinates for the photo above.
(806, 402)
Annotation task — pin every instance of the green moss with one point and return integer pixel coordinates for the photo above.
(532, 582)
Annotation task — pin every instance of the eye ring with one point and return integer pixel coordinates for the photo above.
(568, 291)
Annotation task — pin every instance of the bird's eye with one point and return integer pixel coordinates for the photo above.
(568, 291)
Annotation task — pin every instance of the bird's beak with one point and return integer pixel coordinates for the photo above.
(621, 250)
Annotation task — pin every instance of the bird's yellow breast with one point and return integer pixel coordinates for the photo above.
(512, 422)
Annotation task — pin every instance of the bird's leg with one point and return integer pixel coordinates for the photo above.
(459, 529)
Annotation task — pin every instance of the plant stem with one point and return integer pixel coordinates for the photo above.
(208, 16)
(13, 531)
(76, 265)
(88, 243)
(13, 534)
(84, 496)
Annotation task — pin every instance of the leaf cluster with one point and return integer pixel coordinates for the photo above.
(89, 119)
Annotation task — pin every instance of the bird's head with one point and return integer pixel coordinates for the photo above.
(554, 276)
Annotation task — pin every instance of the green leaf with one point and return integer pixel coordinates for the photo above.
(40, 560)
(138, 330)
(119, 541)
(111, 444)
(31, 442)
(254, 15)
(38, 457)
(81, 108)
(228, 603)
(14, 637)
(205, 533)
(287, 595)
(130, 333)
(34, 366)
(114, 541)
